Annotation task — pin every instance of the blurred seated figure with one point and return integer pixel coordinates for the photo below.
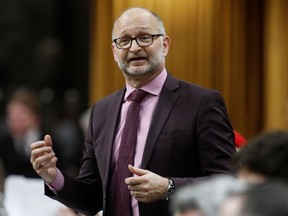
(23, 122)
(204, 198)
(22, 126)
(266, 199)
(264, 157)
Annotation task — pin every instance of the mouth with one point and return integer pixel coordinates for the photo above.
(137, 59)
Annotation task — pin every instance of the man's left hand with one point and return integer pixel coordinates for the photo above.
(146, 186)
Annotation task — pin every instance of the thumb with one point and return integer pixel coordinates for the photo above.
(137, 171)
(48, 140)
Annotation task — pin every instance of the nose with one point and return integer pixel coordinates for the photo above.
(134, 45)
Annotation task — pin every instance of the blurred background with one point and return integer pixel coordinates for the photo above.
(44, 46)
(44, 57)
(62, 51)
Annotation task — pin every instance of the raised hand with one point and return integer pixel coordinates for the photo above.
(43, 159)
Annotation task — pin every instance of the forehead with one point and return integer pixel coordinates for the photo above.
(135, 21)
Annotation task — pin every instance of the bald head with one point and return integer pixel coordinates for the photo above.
(147, 45)
(132, 14)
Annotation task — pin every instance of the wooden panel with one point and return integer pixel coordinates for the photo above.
(276, 68)
(101, 58)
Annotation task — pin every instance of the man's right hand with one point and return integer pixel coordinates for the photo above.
(43, 159)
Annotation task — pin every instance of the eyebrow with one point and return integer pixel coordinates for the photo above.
(141, 31)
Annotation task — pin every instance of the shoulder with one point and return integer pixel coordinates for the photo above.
(193, 90)
(196, 88)
(105, 103)
(110, 98)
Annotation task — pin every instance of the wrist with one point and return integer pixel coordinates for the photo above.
(51, 176)
(170, 190)
(58, 182)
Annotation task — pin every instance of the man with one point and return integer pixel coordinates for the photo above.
(184, 133)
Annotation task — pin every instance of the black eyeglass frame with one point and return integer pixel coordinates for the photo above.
(135, 38)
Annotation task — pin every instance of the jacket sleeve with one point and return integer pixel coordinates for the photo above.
(214, 137)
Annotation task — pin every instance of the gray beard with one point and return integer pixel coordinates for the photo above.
(154, 64)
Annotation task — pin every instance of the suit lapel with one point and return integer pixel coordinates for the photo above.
(110, 128)
(165, 104)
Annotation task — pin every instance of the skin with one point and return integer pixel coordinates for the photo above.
(231, 207)
(189, 213)
(43, 159)
(246, 175)
(20, 118)
(139, 66)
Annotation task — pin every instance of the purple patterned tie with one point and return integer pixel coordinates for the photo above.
(122, 198)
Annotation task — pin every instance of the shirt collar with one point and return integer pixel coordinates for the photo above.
(154, 87)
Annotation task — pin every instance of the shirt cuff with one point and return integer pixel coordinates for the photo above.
(58, 184)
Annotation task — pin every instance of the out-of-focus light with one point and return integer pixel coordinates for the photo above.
(71, 95)
(46, 95)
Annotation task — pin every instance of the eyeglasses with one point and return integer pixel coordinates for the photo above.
(141, 40)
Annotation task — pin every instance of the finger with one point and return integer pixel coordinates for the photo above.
(140, 196)
(42, 169)
(133, 181)
(48, 140)
(136, 194)
(40, 161)
(37, 144)
(136, 187)
(51, 163)
(38, 152)
(137, 171)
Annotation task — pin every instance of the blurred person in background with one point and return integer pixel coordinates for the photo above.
(23, 121)
(269, 198)
(204, 198)
(24, 124)
(264, 157)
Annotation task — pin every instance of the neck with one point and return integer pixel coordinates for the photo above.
(139, 81)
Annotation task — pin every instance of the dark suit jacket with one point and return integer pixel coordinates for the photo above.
(190, 137)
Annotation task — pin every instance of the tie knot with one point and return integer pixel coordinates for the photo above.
(138, 95)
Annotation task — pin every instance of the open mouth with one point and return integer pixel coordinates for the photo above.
(137, 59)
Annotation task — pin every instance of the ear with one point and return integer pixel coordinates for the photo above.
(166, 45)
(113, 46)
